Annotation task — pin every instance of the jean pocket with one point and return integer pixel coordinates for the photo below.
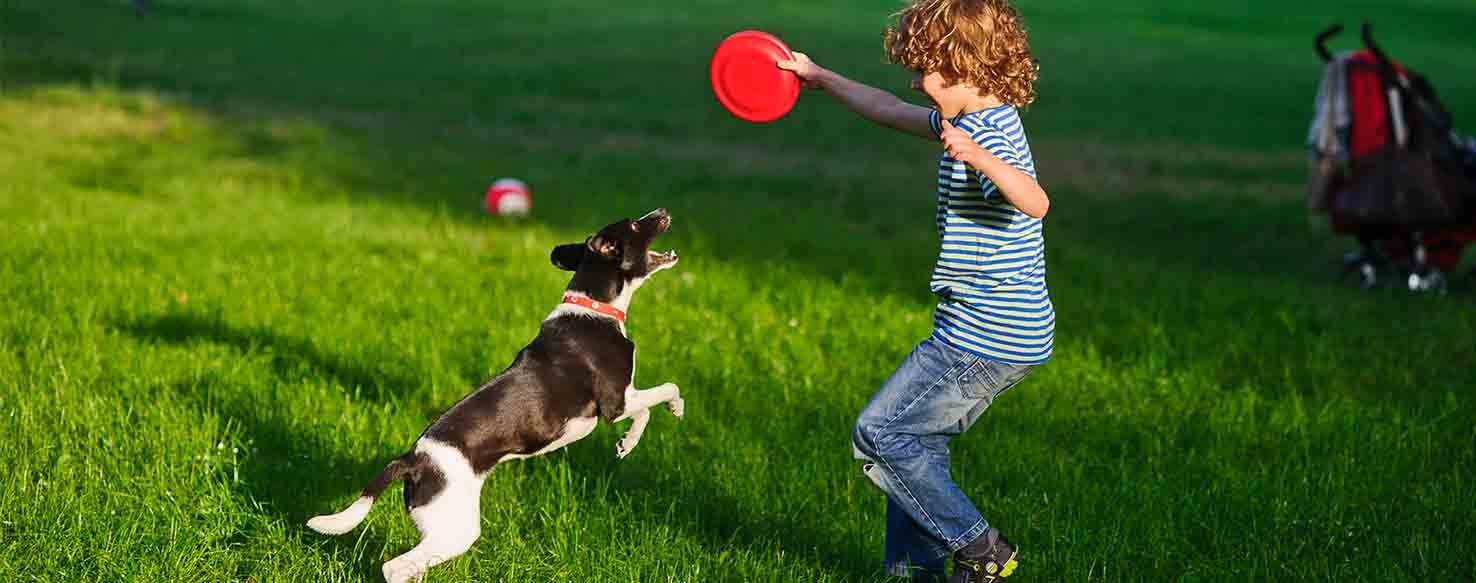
(988, 379)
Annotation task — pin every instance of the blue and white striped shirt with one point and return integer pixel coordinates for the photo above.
(991, 268)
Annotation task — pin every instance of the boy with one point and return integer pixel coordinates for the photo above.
(994, 322)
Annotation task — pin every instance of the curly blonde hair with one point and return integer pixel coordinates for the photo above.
(980, 42)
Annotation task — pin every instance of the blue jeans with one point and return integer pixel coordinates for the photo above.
(902, 438)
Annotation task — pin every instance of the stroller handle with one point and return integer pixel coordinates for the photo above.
(1320, 46)
(1368, 42)
(1390, 76)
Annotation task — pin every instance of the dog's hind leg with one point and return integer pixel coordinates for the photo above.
(448, 527)
(446, 507)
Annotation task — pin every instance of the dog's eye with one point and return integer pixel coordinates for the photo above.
(634, 227)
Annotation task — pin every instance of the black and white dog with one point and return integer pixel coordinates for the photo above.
(580, 369)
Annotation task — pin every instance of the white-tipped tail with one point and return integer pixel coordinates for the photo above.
(343, 521)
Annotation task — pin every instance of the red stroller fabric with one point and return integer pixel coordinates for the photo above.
(1370, 105)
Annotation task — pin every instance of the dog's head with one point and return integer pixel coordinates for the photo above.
(618, 259)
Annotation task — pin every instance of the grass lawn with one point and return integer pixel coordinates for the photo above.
(242, 264)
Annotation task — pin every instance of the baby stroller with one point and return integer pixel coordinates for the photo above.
(1388, 169)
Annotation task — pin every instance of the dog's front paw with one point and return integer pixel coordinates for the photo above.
(677, 407)
(626, 445)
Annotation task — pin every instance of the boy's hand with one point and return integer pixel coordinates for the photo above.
(804, 68)
(873, 104)
(960, 146)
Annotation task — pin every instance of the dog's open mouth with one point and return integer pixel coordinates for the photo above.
(656, 260)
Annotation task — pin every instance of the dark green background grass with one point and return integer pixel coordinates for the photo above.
(242, 265)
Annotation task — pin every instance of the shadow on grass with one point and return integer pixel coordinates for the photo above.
(291, 358)
(201, 12)
(284, 452)
(706, 511)
(281, 457)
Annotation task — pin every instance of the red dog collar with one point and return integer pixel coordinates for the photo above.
(601, 307)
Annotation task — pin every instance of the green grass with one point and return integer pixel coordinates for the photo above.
(242, 266)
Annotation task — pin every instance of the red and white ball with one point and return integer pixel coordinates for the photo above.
(508, 197)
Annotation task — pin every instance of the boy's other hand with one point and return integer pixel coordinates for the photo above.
(804, 68)
(959, 145)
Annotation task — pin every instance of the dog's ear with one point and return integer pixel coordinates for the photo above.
(602, 245)
(567, 257)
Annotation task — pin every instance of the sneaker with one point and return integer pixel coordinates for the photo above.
(989, 558)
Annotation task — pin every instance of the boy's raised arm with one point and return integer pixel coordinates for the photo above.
(871, 103)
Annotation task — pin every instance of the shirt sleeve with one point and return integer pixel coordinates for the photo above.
(996, 142)
(935, 121)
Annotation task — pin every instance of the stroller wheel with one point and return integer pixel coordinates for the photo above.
(1363, 266)
(1429, 280)
(1368, 276)
(1362, 271)
(1364, 275)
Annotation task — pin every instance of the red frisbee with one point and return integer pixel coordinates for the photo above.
(747, 80)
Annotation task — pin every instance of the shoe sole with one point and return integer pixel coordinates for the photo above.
(1008, 568)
